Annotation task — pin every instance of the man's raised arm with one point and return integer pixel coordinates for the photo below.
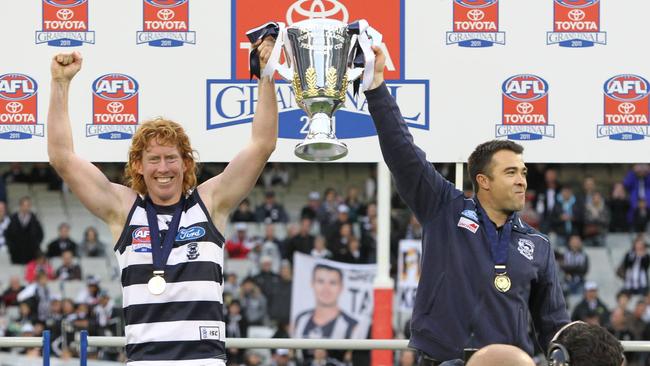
(223, 192)
(106, 200)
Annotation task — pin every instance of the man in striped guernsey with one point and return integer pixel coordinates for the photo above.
(167, 230)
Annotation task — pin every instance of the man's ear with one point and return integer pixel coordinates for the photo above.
(137, 165)
(483, 181)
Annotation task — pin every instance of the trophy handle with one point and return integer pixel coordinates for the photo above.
(273, 65)
(366, 37)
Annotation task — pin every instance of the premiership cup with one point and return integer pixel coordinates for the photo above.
(322, 57)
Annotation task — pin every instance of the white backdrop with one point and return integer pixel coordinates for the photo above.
(452, 95)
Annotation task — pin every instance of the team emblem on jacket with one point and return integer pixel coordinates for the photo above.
(468, 224)
(193, 251)
(526, 248)
(470, 214)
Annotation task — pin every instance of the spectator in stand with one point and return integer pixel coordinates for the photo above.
(328, 209)
(38, 265)
(636, 323)
(4, 224)
(354, 203)
(591, 305)
(302, 241)
(62, 242)
(280, 297)
(338, 244)
(253, 302)
(619, 206)
(277, 174)
(575, 265)
(91, 246)
(566, 216)
(231, 285)
(637, 184)
(90, 294)
(545, 200)
(244, 213)
(597, 219)
(311, 209)
(266, 280)
(43, 173)
(320, 249)
(69, 270)
(9, 296)
(38, 296)
(621, 331)
(634, 268)
(407, 358)
(15, 174)
(271, 211)
(369, 242)
(239, 245)
(641, 217)
(352, 253)
(333, 231)
(271, 247)
(236, 327)
(281, 357)
(24, 234)
(588, 190)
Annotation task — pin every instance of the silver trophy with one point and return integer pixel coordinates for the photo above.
(319, 67)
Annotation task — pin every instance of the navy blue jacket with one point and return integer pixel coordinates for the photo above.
(457, 305)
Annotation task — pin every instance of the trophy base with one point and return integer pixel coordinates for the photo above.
(323, 150)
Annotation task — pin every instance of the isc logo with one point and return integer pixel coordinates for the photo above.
(18, 102)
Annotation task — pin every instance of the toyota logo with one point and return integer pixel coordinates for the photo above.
(115, 107)
(14, 107)
(626, 108)
(166, 14)
(525, 108)
(64, 14)
(475, 15)
(317, 9)
(576, 15)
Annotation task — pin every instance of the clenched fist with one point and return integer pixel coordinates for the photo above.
(65, 66)
(264, 49)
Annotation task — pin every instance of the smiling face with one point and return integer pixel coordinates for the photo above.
(505, 184)
(327, 285)
(162, 169)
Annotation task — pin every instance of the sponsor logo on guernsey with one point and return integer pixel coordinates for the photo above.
(476, 24)
(115, 107)
(211, 333)
(65, 24)
(468, 224)
(141, 241)
(524, 109)
(527, 248)
(18, 107)
(625, 108)
(233, 101)
(166, 23)
(576, 23)
(190, 233)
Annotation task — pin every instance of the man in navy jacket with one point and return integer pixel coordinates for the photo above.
(484, 270)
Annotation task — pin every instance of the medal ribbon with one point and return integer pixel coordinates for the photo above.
(160, 252)
(498, 243)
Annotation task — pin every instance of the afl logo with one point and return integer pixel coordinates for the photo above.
(65, 3)
(577, 3)
(525, 87)
(166, 3)
(17, 87)
(475, 3)
(115, 87)
(626, 87)
(141, 235)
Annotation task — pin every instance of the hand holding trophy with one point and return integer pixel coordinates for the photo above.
(322, 57)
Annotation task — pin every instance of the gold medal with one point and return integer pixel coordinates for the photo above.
(502, 282)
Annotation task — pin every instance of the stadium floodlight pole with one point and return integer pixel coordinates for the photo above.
(382, 317)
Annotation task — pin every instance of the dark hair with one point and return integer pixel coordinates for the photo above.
(591, 345)
(325, 267)
(480, 159)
